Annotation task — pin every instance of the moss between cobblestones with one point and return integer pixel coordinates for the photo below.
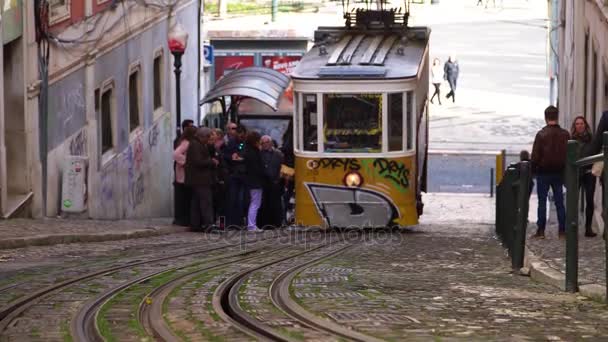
(35, 332)
(197, 281)
(296, 335)
(135, 294)
(65, 331)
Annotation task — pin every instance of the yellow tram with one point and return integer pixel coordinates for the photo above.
(360, 123)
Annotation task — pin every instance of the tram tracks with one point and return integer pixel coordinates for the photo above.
(14, 309)
(84, 326)
(228, 279)
(227, 304)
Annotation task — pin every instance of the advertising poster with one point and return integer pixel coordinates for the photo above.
(282, 64)
(285, 65)
(225, 64)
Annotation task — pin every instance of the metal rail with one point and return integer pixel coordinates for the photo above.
(281, 298)
(84, 325)
(150, 315)
(225, 301)
(12, 310)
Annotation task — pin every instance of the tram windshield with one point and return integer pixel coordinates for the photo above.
(352, 122)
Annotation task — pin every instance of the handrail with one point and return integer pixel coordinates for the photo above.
(573, 164)
(589, 160)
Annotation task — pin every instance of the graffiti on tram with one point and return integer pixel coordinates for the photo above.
(392, 170)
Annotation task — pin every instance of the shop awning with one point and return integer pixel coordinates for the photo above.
(263, 84)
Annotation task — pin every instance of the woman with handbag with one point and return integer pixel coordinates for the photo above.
(581, 132)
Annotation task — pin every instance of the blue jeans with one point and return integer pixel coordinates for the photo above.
(556, 182)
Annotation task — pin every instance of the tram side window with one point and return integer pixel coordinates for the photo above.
(309, 119)
(395, 122)
(410, 120)
(353, 122)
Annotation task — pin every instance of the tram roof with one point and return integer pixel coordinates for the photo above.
(341, 53)
(263, 84)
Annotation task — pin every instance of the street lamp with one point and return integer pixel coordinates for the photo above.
(177, 38)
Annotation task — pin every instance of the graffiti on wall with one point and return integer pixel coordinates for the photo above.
(78, 144)
(342, 206)
(72, 104)
(107, 189)
(153, 136)
(132, 160)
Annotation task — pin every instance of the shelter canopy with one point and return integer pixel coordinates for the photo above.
(263, 84)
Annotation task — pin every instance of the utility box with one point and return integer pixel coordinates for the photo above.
(74, 185)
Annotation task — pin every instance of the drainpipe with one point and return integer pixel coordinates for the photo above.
(199, 9)
(3, 162)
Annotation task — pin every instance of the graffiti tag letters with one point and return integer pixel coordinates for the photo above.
(395, 171)
(334, 163)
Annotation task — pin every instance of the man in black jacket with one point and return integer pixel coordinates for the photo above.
(451, 72)
(548, 163)
(199, 175)
(271, 212)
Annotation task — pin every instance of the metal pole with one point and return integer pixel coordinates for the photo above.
(605, 205)
(274, 10)
(519, 243)
(572, 217)
(491, 182)
(178, 106)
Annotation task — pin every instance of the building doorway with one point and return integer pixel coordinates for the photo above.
(16, 190)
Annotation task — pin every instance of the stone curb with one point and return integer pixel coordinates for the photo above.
(55, 239)
(543, 273)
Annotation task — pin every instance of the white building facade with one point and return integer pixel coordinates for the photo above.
(108, 96)
(583, 60)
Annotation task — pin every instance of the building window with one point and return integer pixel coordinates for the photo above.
(158, 81)
(352, 122)
(107, 138)
(410, 120)
(309, 119)
(395, 122)
(60, 10)
(134, 98)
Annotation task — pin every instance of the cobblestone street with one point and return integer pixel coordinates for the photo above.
(438, 281)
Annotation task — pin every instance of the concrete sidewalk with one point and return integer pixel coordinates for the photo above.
(545, 258)
(17, 233)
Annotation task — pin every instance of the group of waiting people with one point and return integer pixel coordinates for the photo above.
(548, 165)
(227, 180)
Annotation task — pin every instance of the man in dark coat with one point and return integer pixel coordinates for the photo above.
(200, 176)
(548, 163)
(451, 71)
(271, 212)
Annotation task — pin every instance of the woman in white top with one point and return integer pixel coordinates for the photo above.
(436, 78)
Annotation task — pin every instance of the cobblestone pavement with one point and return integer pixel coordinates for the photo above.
(21, 228)
(444, 283)
(552, 250)
(439, 281)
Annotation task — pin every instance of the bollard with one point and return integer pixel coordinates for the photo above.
(519, 240)
(509, 207)
(501, 159)
(491, 182)
(572, 217)
(605, 206)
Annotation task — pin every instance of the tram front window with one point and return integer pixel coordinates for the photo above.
(353, 122)
(309, 121)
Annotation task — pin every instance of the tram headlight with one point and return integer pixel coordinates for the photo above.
(353, 179)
